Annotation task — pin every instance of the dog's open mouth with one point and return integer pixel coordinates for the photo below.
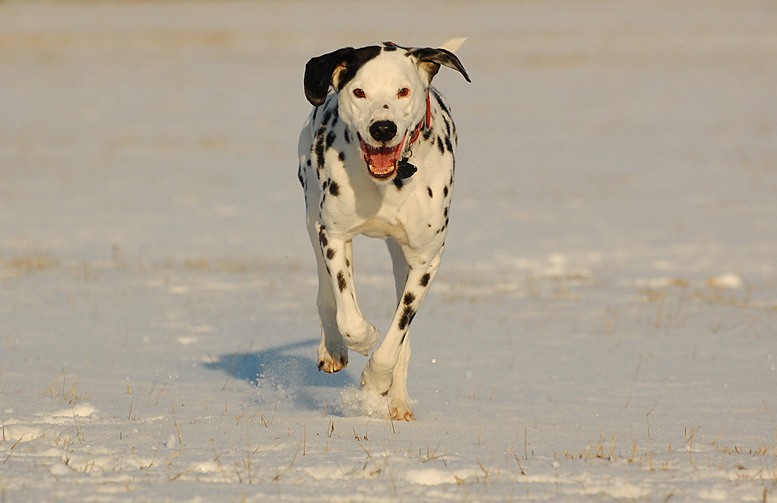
(381, 161)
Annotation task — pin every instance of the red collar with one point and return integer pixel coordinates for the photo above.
(404, 168)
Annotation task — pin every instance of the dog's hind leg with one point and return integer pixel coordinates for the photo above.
(399, 402)
(379, 373)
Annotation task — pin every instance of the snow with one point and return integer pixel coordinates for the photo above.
(603, 327)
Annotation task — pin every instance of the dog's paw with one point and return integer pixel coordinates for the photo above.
(400, 411)
(333, 361)
(376, 382)
(363, 341)
(330, 365)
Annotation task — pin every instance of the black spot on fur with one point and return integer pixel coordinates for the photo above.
(330, 253)
(318, 150)
(330, 139)
(448, 144)
(447, 125)
(445, 191)
(354, 60)
(440, 102)
(428, 133)
(403, 338)
(323, 241)
(389, 48)
(440, 146)
(429, 190)
(398, 183)
(425, 279)
(327, 116)
(409, 298)
(445, 212)
(347, 263)
(407, 317)
(341, 156)
(334, 189)
(347, 136)
(341, 284)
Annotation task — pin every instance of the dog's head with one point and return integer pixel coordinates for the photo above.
(382, 95)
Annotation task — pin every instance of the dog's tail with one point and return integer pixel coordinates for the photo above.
(453, 44)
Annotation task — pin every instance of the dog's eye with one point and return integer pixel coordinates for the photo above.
(404, 92)
(359, 93)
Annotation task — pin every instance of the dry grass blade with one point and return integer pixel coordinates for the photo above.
(767, 410)
(12, 449)
(216, 457)
(519, 464)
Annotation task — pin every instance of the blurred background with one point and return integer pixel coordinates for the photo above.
(638, 131)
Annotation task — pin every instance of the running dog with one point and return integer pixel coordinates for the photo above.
(376, 157)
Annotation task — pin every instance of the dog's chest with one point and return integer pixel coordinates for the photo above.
(381, 211)
(411, 210)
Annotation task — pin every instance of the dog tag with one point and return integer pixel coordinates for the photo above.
(405, 169)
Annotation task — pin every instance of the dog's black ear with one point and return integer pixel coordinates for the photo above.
(334, 69)
(429, 59)
(319, 72)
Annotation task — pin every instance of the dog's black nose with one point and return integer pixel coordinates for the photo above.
(383, 131)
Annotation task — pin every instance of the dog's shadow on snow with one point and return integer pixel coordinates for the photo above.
(284, 372)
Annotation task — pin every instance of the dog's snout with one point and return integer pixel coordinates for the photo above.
(383, 131)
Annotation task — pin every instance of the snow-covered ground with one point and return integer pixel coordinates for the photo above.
(603, 328)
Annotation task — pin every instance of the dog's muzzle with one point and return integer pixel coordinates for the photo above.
(382, 160)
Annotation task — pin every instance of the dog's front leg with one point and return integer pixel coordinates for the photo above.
(386, 371)
(336, 251)
(332, 351)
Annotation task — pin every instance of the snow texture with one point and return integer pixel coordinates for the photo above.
(603, 328)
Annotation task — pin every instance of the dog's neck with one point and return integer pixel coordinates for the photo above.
(404, 168)
(424, 124)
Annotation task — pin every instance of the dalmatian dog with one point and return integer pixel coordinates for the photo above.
(376, 157)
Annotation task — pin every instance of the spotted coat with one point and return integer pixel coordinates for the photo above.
(376, 157)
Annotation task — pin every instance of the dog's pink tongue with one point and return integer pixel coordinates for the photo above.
(382, 161)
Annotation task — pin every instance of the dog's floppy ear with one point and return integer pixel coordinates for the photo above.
(429, 60)
(334, 69)
(319, 73)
